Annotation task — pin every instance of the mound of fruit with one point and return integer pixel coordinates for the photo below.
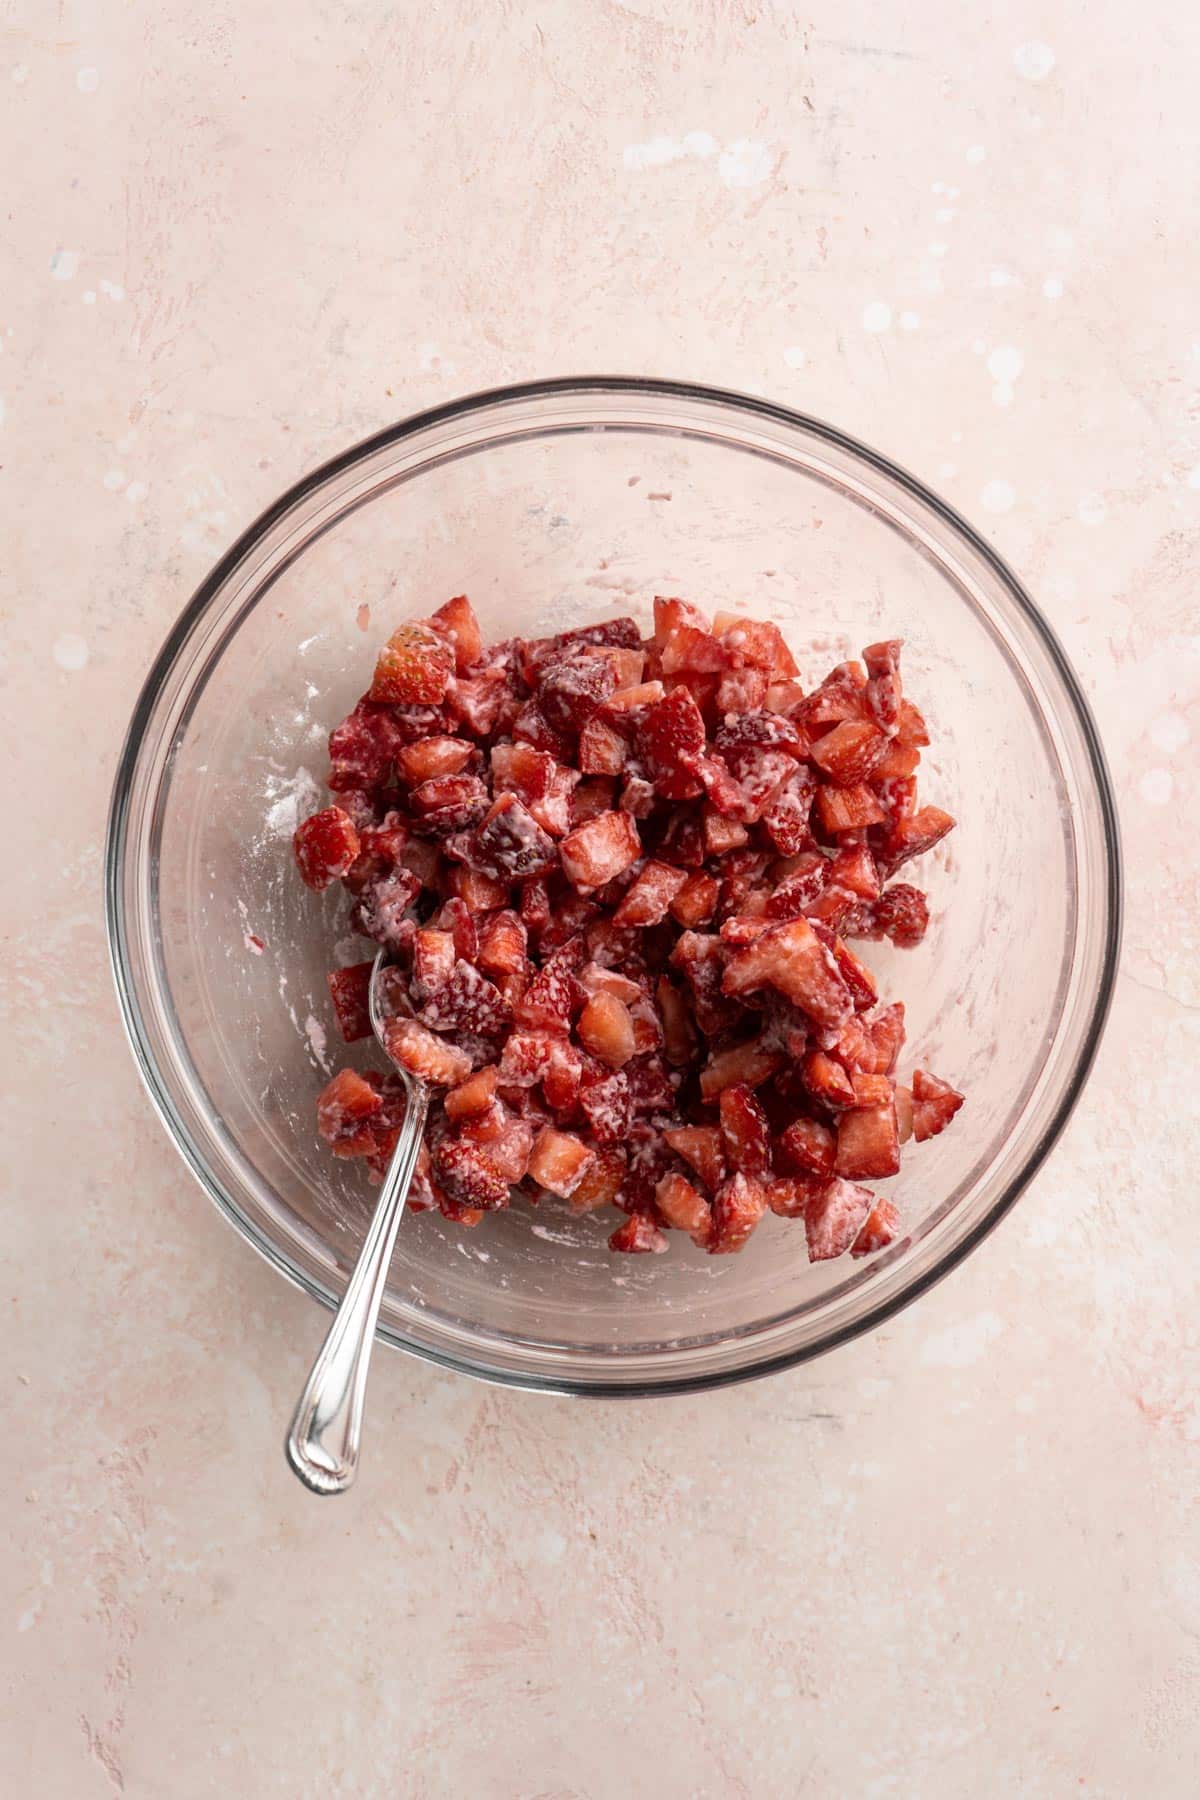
(616, 878)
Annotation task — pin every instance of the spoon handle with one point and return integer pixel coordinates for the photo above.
(326, 1430)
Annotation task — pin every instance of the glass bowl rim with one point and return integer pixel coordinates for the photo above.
(684, 393)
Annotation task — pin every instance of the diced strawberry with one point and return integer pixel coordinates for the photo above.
(785, 697)
(574, 686)
(702, 1147)
(882, 1224)
(623, 632)
(434, 957)
(840, 696)
(683, 841)
(608, 1106)
(453, 1210)
(858, 979)
(605, 1029)
(467, 1002)
(648, 900)
(897, 794)
(429, 1058)
(914, 836)
(343, 1111)
(785, 817)
(737, 1207)
(467, 1175)
(637, 797)
(883, 686)
(636, 1235)
(522, 770)
(801, 888)
(722, 834)
(899, 762)
(363, 748)
(670, 734)
(350, 989)
(745, 1131)
(381, 911)
(449, 802)
(433, 757)
(414, 667)
(558, 1160)
(826, 1080)
(456, 622)
(481, 703)
(741, 691)
(650, 1086)
(526, 1058)
(474, 1095)
(847, 809)
(792, 958)
(535, 906)
(868, 1143)
(911, 726)
(626, 708)
(505, 1140)
(670, 614)
(689, 648)
(510, 844)
(591, 798)
(683, 1209)
(792, 1197)
(503, 944)
(904, 1113)
(807, 1148)
(870, 1089)
(599, 850)
(600, 1182)
(885, 1034)
(326, 847)
(696, 900)
(550, 999)
(853, 868)
(594, 979)
(934, 1105)
(756, 642)
(531, 726)
(763, 774)
(602, 750)
(748, 1063)
(834, 1218)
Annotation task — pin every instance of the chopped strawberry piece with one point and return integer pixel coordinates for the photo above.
(695, 901)
(463, 1170)
(381, 911)
(826, 1080)
(551, 997)
(602, 750)
(670, 733)
(683, 841)
(791, 1198)
(648, 900)
(834, 1218)
(749, 1063)
(429, 1058)
(801, 888)
(868, 1144)
(847, 809)
(737, 1207)
(934, 1105)
(784, 697)
(694, 650)
(608, 1106)
(911, 726)
(853, 868)
(741, 691)
(883, 686)
(840, 696)
(456, 622)
(791, 958)
(326, 847)
(453, 1210)
(433, 757)
(885, 1034)
(510, 844)
(914, 836)
(449, 802)
(870, 1089)
(433, 960)
(526, 1058)
(363, 748)
(414, 667)
(670, 614)
(679, 1034)
(573, 687)
(343, 1110)
(807, 1148)
(531, 726)
(600, 1182)
(595, 852)
(703, 1148)
(882, 1224)
(481, 703)
(468, 1002)
(503, 944)
(745, 1131)
(558, 1160)
(636, 1235)
(858, 979)
(786, 815)
(350, 990)
(755, 641)
(605, 1029)
(505, 1140)
(474, 1095)
(683, 1209)
(722, 834)
(904, 1113)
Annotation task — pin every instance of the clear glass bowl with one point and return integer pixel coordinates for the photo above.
(550, 505)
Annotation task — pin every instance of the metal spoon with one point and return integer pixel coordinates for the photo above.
(326, 1431)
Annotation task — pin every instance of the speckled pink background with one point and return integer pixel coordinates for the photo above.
(961, 1556)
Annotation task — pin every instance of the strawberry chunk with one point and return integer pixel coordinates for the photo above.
(748, 1063)
(807, 1148)
(834, 1217)
(414, 667)
(737, 1207)
(608, 1106)
(703, 1148)
(510, 844)
(671, 734)
(934, 1105)
(868, 1141)
(669, 614)
(746, 1134)
(683, 1209)
(558, 1160)
(600, 1182)
(456, 622)
(902, 914)
(344, 1108)
(449, 802)
(429, 1058)
(679, 1033)
(695, 901)
(637, 1235)
(648, 900)
(503, 944)
(326, 847)
(602, 749)
(791, 958)
(792, 1197)
(882, 1224)
(474, 1095)
(847, 809)
(883, 694)
(605, 1029)
(826, 1080)
(463, 1170)
(599, 850)
(350, 990)
(914, 836)
(432, 757)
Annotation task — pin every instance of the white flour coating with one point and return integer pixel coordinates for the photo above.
(290, 799)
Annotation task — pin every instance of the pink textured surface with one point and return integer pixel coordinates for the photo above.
(234, 243)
